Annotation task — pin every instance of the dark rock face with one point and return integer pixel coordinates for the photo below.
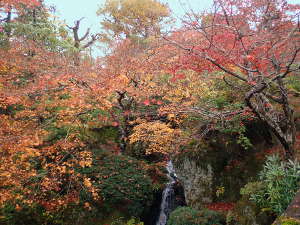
(292, 213)
(179, 195)
(150, 217)
(293, 210)
(214, 169)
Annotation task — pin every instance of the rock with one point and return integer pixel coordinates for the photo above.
(197, 182)
(247, 213)
(292, 213)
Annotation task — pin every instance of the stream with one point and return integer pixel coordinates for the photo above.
(167, 196)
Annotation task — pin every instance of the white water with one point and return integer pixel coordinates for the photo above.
(167, 196)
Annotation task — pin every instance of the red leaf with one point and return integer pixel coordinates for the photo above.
(180, 76)
(159, 102)
(115, 124)
(146, 102)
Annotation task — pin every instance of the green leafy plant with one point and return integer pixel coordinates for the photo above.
(134, 221)
(122, 182)
(190, 216)
(244, 141)
(277, 185)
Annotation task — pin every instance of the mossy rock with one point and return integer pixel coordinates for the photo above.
(247, 213)
(231, 166)
(286, 221)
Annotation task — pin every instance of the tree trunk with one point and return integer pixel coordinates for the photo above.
(281, 123)
(124, 104)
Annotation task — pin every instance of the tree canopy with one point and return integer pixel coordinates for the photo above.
(68, 119)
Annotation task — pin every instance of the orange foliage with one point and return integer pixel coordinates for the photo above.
(36, 83)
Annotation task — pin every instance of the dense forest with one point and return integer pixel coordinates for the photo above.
(180, 121)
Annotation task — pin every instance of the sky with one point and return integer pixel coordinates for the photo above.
(71, 10)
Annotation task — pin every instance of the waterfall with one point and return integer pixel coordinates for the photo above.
(167, 196)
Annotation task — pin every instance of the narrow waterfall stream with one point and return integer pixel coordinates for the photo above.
(167, 196)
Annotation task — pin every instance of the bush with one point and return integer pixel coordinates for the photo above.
(190, 216)
(122, 183)
(37, 215)
(27, 216)
(277, 185)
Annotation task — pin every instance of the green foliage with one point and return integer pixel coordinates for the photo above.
(134, 221)
(122, 182)
(123, 221)
(103, 135)
(245, 212)
(230, 218)
(190, 216)
(57, 133)
(44, 32)
(37, 215)
(289, 221)
(93, 115)
(221, 102)
(293, 83)
(252, 187)
(28, 215)
(24, 79)
(242, 139)
(222, 96)
(36, 25)
(12, 109)
(4, 42)
(65, 96)
(277, 185)
(240, 129)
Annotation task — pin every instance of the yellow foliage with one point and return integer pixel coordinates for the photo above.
(85, 159)
(188, 92)
(133, 17)
(87, 182)
(158, 136)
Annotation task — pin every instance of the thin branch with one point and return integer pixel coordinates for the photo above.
(213, 61)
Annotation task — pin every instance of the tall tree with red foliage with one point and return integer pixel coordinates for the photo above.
(257, 44)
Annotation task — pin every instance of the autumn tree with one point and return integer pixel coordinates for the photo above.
(42, 102)
(8, 7)
(132, 18)
(32, 22)
(257, 44)
(128, 25)
(49, 107)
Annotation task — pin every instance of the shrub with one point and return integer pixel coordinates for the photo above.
(277, 185)
(190, 216)
(37, 215)
(27, 216)
(122, 183)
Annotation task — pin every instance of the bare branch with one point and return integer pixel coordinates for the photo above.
(85, 35)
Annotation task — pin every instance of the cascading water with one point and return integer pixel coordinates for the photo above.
(167, 196)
